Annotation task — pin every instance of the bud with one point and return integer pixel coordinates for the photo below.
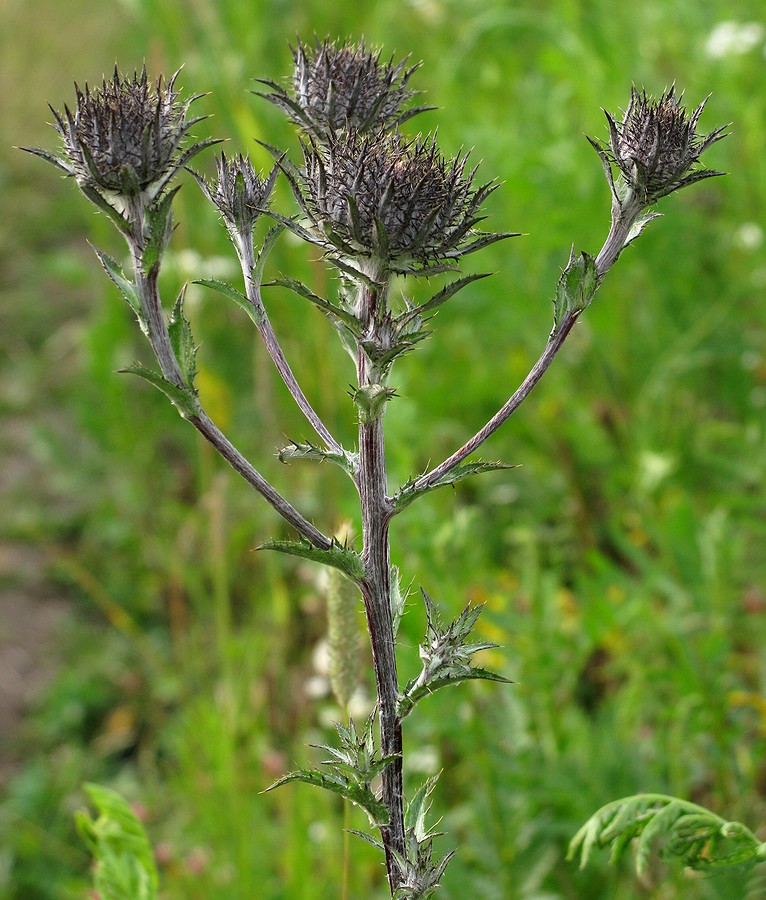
(342, 88)
(238, 193)
(396, 202)
(656, 147)
(123, 139)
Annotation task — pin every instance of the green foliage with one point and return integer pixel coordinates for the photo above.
(446, 654)
(338, 556)
(576, 287)
(351, 770)
(692, 834)
(184, 400)
(124, 860)
(621, 565)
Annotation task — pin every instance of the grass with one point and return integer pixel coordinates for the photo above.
(621, 564)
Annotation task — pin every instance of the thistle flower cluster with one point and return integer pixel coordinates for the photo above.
(343, 88)
(124, 139)
(395, 201)
(656, 147)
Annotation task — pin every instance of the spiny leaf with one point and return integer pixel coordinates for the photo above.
(182, 340)
(115, 215)
(238, 297)
(358, 794)
(298, 450)
(263, 253)
(337, 556)
(124, 284)
(407, 701)
(183, 399)
(334, 313)
(159, 221)
(576, 287)
(441, 297)
(408, 493)
(418, 807)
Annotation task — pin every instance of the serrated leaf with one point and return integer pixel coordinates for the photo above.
(334, 313)
(339, 557)
(263, 254)
(358, 794)
(408, 700)
(347, 461)
(418, 807)
(576, 287)
(182, 340)
(115, 215)
(371, 400)
(447, 292)
(125, 286)
(238, 297)
(638, 226)
(368, 838)
(408, 493)
(183, 399)
(159, 222)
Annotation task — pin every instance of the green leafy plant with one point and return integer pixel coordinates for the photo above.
(685, 831)
(124, 861)
(382, 208)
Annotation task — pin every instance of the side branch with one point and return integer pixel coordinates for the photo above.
(626, 225)
(553, 346)
(210, 431)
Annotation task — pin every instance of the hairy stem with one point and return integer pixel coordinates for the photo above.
(376, 591)
(159, 339)
(265, 329)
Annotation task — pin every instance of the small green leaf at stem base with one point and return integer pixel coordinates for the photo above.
(184, 399)
(576, 287)
(125, 285)
(360, 795)
(338, 556)
(182, 341)
(407, 494)
(238, 297)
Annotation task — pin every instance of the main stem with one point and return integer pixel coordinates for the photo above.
(376, 591)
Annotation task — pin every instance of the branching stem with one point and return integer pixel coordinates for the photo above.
(159, 339)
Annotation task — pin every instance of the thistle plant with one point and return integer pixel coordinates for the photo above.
(381, 205)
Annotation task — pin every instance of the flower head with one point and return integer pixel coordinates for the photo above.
(656, 147)
(344, 87)
(123, 139)
(239, 194)
(394, 201)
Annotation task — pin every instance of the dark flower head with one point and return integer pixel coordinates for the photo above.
(656, 147)
(239, 194)
(396, 202)
(344, 87)
(123, 139)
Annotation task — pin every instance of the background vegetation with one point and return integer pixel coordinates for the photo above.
(622, 564)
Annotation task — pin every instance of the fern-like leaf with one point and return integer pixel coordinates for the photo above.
(695, 836)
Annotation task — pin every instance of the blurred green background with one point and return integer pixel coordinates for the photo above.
(622, 563)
